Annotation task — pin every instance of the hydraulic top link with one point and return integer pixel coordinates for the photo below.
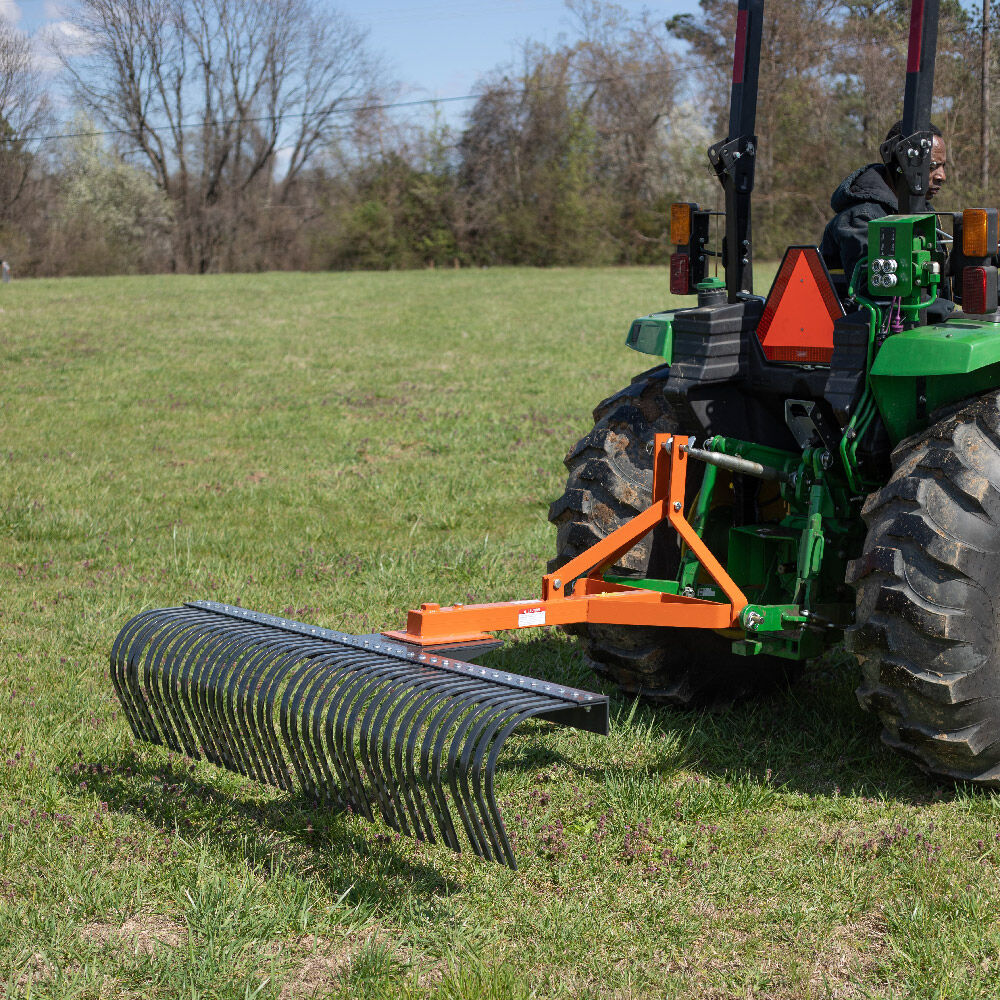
(909, 156)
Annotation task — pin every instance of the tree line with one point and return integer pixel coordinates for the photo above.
(219, 135)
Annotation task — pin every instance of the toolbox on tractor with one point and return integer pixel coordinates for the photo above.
(817, 466)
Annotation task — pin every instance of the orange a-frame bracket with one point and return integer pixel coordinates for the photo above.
(593, 600)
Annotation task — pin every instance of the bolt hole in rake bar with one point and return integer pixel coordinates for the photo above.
(390, 724)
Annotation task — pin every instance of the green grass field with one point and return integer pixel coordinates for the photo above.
(340, 447)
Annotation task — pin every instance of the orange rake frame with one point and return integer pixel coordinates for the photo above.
(593, 600)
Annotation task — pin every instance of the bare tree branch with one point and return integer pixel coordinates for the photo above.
(228, 100)
(24, 111)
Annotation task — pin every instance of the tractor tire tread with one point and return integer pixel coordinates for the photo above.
(927, 618)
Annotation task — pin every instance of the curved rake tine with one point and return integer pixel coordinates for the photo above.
(459, 707)
(480, 736)
(302, 687)
(246, 655)
(380, 684)
(228, 649)
(187, 656)
(437, 701)
(279, 660)
(188, 647)
(491, 769)
(116, 667)
(292, 684)
(160, 649)
(141, 652)
(316, 693)
(205, 655)
(380, 677)
(160, 670)
(253, 651)
(393, 698)
(487, 802)
(323, 723)
(409, 713)
(249, 695)
(228, 654)
(269, 652)
(136, 713)
(339, 734)
(170, 657)
(475, 724)
(452, 703)
(129, 650)
(274, 667)
(224, 652)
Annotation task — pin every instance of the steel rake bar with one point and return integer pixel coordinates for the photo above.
(358, 723)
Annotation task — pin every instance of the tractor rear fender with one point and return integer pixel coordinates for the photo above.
(918, 371)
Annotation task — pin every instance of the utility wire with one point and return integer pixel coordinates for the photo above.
(360, 109)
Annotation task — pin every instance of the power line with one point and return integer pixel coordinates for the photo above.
(361, 109)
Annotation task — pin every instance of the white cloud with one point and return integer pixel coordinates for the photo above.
(10, 11)
(61, 35)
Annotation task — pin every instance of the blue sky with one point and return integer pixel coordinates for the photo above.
(441, 47)
(435, 48)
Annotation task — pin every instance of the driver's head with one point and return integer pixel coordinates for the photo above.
(939, 157)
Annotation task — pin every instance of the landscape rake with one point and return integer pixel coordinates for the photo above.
(355, 722)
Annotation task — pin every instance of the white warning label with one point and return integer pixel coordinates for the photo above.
(531, 616)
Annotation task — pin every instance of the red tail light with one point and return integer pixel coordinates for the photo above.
(979, 290)
(680, 274)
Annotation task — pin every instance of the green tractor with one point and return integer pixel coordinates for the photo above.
(818, 465)
(873, 513)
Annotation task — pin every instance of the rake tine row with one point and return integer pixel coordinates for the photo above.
(352, 722)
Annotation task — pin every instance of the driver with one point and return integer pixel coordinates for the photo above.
(869, 193)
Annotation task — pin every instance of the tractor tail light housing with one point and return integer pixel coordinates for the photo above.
(980, 232)
(979, 290)
(680, 274)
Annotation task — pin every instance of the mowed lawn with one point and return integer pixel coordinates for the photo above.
(340, 447)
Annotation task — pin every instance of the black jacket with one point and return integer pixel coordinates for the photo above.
(861, 197)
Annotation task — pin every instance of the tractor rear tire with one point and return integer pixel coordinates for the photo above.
(611, 481)
(928, 597)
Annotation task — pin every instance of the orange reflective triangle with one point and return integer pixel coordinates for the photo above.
(797, 324)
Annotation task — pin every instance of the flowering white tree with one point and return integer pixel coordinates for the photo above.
(124, 213)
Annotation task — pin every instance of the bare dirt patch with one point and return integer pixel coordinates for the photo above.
(850, 949)
(322, 965)
(38, 970)
(142, 934)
